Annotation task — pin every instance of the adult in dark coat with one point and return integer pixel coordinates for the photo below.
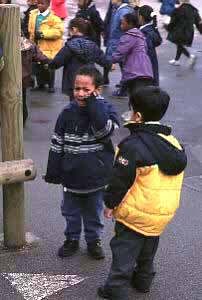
(181, 30)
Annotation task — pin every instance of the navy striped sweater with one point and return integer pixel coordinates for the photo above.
(81, 153)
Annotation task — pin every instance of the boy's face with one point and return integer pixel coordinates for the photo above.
(43, 5)
(124, 25)
(83, 88)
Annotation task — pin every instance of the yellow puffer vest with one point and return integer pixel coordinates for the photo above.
(152, 200)
(52, 28)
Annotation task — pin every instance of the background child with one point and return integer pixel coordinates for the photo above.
(46, 31)
(148, 22)
(88, 11)
(59, 8)
(120, 8)
(32, 4)
(143, 193)
(81, 158)
(131, 50)
(181, 30)
(29, 53)
(79, 50)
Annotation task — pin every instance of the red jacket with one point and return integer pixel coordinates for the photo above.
(59, 8)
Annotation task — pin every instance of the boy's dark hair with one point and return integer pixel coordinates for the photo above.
(84, 26)
(47, 1)
(152, 102)
(146, 12)
(93, 73)
(131, 19)
(86, 3)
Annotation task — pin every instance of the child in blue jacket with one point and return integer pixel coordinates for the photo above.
(78, 51)
(81, 159)
(148, 22)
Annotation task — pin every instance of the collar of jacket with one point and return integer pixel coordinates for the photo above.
(145, 25)
(122, 5)
(150, 127)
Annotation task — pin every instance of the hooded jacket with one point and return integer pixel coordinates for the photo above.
(132, 53)
(147, 179)
(78, 51)
(153, 39)
(52, 28)
(181, 26)
(115, 32)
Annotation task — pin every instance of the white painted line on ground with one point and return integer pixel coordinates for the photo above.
(40, 286)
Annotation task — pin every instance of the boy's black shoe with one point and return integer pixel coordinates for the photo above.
(95, 250)
(69, 248)
(114, 294)
(141, 283)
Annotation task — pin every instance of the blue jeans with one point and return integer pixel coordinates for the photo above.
(86, 208)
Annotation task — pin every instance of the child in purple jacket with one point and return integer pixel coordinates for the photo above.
(132, 52)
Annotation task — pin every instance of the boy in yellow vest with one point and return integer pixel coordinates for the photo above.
(143, 194)
(46, 31)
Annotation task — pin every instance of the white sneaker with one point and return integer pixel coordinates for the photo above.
(192, 60)
(174, 62)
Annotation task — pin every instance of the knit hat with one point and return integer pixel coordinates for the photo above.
(152, 102)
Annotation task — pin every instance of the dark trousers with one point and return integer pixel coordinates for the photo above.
(86, 209)
(24, 105)
(181, 50)
(44, 76)
(131, 253)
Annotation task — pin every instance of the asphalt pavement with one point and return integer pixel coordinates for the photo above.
(36, 272)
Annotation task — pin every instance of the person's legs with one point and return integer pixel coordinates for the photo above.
(144, 271)
(71, 210)
(51, 82)
(181, 50)
(92, 211)
(106, 75)
(126, 246)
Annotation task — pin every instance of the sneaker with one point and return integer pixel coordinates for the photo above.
(69, 248)
(112, 293)
(95, 250)
(174, 62)
(192, 60)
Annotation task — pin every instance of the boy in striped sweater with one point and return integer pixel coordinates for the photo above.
(81, 159)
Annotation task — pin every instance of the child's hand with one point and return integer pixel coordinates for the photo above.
(39, 35)
(113, 67)
(108, 213)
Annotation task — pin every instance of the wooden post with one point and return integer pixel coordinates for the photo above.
(11, 123)
(16, 171)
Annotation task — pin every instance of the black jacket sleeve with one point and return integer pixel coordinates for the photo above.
(123, 176)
